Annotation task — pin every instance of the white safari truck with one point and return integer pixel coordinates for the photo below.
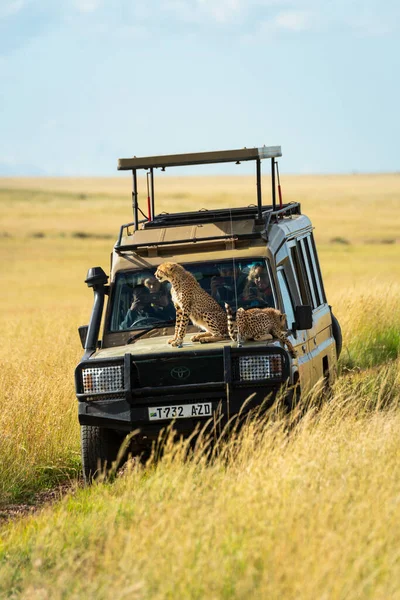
(260, 255)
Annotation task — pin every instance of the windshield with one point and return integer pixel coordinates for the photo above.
(140, 301)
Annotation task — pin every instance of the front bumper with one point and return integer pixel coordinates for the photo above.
(234, 391)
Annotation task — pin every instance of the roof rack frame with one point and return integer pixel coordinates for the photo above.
(199, 158)
(267, 214)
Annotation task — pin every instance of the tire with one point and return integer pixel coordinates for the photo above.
(337, 334)
(99, 449)
(293, 396)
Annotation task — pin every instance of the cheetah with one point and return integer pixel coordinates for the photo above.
(192, 302)
(257, 324)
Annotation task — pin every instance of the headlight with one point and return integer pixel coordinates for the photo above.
(259, 366)
(103, 379)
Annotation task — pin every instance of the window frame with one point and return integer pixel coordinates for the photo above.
(282, 278)
(298, 272)
(314, 254)
(304, 262)
(308, 271)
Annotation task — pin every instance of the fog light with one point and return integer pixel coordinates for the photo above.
(103, 379)
(258, 367)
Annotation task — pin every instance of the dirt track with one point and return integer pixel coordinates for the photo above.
(40, 500)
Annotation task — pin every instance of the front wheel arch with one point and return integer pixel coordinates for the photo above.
(337, 334)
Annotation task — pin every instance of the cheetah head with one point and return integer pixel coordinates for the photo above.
(167, 271)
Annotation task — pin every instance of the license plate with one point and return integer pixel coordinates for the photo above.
(182, 411)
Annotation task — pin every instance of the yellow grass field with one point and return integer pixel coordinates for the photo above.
(309, 511)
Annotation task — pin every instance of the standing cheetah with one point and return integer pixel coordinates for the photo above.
(192, 302)
(258, 324)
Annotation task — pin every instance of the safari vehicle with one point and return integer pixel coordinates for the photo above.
(132, 379)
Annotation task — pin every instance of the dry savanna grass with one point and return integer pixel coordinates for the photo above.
(307, 511)
(285, 510)
(336, 204)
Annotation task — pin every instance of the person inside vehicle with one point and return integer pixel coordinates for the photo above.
(140, 309)
(160, 298)
(223, 285)
(158, 291)
(257, 291)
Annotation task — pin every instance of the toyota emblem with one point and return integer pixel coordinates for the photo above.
(180, 373)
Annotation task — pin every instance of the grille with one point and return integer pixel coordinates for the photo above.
(180, 369)
(116, 396)
(103, 379)
(258, 367)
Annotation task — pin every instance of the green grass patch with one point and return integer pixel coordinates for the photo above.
(370, 322)
(267, 518)
(371, 348)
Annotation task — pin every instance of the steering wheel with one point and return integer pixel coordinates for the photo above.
(145, 320)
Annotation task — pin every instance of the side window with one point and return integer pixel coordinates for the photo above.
(299, 269)
(308, 270)
(286, 298)
(310, 261)
(271, 279)
(314, 259)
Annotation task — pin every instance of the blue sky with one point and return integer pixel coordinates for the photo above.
(83, 82)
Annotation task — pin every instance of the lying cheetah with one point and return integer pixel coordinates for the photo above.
(257, 324)
(192, 302)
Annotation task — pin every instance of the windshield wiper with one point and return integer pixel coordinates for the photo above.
(154, 326)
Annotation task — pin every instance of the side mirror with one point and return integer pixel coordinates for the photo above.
(303, 316)
(96, 277)
(82, 330)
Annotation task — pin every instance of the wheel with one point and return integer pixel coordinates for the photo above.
(337, 334)
(99, 448)
(293, 395)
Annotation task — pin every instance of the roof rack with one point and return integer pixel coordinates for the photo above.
(150, 163)
(205, 216)
(198, 158)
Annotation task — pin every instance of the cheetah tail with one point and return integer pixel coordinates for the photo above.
(231, 327)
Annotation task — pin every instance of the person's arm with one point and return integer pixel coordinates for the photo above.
(129, 319)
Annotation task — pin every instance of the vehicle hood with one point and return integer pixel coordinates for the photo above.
(159, 345)
(157, 365)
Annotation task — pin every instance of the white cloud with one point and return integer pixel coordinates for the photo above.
(220, 10)
(289, 21)
(11, 7)
(372, 25)
(196, 11)
(87, 6)
(293, 20)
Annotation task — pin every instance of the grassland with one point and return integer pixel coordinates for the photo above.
(306, 515)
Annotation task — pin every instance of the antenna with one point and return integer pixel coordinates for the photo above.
(273, 183)
(279, 185)
(233, 262)
(148, 197)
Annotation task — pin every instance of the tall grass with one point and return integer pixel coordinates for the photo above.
(39, 431)
(307, 511)
(38, 418)
(370, 325)
(289, 508)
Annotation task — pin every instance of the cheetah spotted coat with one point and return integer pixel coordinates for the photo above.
(192, 302)
(258, 324)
